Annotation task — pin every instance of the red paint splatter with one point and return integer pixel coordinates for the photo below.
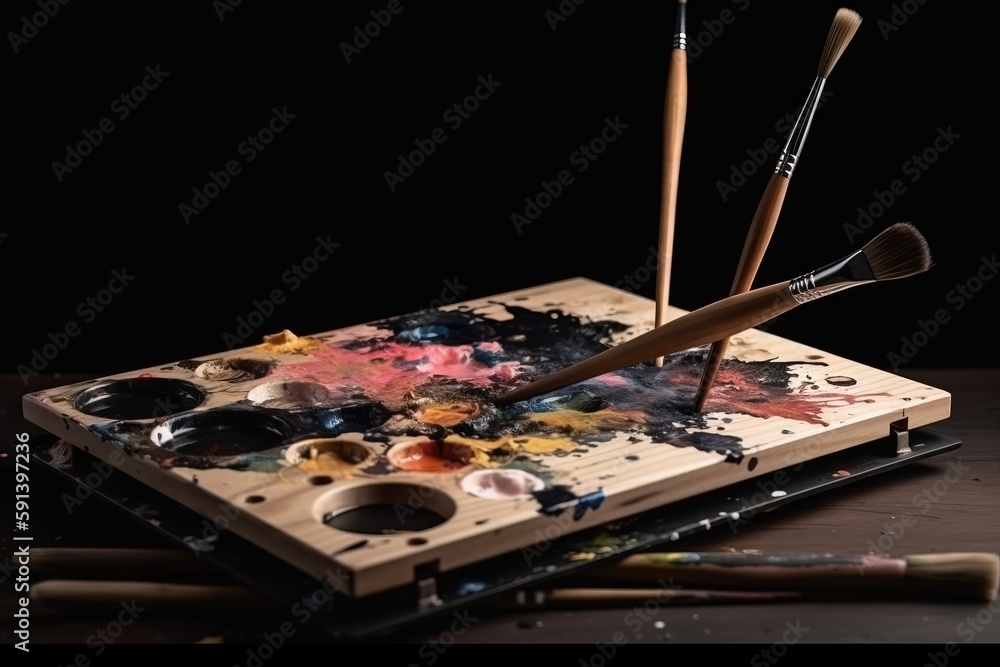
(738, 391)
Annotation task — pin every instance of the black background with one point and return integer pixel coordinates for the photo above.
(897, 88)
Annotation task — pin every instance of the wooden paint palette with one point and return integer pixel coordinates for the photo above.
(369, 456)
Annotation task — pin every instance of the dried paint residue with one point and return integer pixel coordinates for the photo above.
(429, 380)
(286, 342)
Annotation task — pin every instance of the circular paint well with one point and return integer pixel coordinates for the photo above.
(501, 484)
(328, 454)
(139, 398)
(385, 509)
(233, 369)
(221, 433)
(428, 455)
(288, 394)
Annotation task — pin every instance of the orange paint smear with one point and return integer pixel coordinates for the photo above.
(429, 456)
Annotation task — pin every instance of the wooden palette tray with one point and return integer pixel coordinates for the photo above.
(369, 456)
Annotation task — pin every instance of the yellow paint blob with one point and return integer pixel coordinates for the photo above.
(288, 343)
(496, 451)
(573, 422)
(447, 415)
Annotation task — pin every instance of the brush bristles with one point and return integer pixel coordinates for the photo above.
(845, 24)
(898, 252)
(962, 574)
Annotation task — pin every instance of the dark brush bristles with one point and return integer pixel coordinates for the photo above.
(898, 252)
(961, 574)
(845, 24)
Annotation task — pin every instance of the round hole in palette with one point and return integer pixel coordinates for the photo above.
(328, 455)
(385, 509)
(292, 394)
(429, 455)
(139, 398)
(221, 433)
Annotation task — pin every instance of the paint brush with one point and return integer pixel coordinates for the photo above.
(681, 578)
(897, 252)
(92, 595)
(970, 575)
(845, 25)
(124, 563)
(674, 115)
(630, 597)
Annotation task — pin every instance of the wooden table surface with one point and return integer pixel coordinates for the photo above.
(950, 502)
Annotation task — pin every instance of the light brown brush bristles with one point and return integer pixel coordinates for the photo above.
(845, 24)
(898, 252)
(961, 574)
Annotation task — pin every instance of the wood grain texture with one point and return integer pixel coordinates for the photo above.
(283, 511)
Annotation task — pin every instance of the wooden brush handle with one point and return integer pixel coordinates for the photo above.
(761, 228)
(713, 362)
(713, 322)
(759, 236)
(675, 113)
(783, 572)
(68, 594)
(124, 563)
(629, 597)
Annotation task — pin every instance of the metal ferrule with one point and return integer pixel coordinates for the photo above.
(793, 147)
(680, 33)
(851, 271)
